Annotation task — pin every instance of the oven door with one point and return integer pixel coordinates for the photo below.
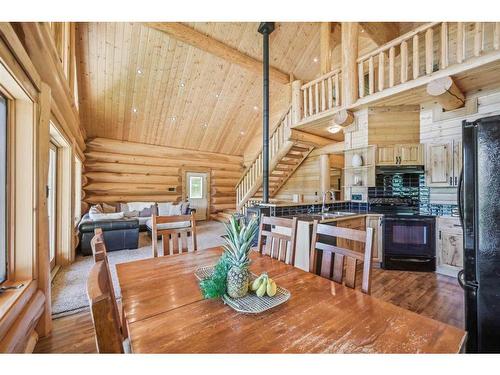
(409, 237)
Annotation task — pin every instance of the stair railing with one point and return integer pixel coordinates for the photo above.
(252, 176)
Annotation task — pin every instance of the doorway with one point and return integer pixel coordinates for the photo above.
(197, 193)
(52, 204)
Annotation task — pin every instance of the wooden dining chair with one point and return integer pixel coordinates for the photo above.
(277, 245)
(100, 254)
(104, 310)
(97, 245)
(173, 235)
(333, 259)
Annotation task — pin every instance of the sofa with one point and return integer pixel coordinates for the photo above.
(121, 223)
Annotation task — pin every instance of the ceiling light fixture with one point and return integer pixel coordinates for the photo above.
(134, 110)
(139, 71)
(334, 129)
(205, 125)
(255, 108)
(173, 118)
(315, 59)
(242, 133)
(217, 95)
(182, 84)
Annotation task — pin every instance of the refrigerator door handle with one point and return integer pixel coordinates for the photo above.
(460, 197)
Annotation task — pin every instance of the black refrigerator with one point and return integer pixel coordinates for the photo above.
(479, 206)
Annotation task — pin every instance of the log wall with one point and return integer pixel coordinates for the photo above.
(118, 171)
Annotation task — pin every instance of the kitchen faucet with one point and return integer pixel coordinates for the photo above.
(324, 194)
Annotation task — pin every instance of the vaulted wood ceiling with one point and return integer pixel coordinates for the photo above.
(139, 84)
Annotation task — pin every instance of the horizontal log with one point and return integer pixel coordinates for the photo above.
(131, 189)
(223, 206)
(222, 190)
(227, 174)
(226, 199)
(16, 338)
(100, 166)
(309, 139)
(133, 148)
(132, 178)
(93, 199)
(150, 160)
(224, 182)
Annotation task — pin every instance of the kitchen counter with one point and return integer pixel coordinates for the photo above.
(293, 204)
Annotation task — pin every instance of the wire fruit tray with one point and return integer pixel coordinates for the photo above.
(251, 303)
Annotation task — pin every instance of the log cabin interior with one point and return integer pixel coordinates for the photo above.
(368, 148)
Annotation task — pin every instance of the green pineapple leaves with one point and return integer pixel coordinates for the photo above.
(239, 239)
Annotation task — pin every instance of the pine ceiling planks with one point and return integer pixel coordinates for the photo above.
(182, 88)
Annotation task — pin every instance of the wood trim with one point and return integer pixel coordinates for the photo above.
(208, 44)
(208, 172)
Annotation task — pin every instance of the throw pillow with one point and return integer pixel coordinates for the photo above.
(146, 212)
(103, 216)
(164, 208)
(130, 214)
(185, 208)
(176, 209)
(124, 207)
(95, 209)
(108, 209)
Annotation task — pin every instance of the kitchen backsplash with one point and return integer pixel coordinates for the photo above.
(409, 186)
(312, 208)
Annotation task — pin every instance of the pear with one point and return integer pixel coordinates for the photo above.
(262, 288)
(271, 288)
(257, 282)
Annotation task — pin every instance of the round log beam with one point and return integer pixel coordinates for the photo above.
(446, 93)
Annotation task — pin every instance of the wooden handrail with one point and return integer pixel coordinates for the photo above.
(258, 154)
(397, 41)
(319, 79)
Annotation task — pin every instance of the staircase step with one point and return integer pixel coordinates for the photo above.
(286, 162)
(292, 156)
(299, 149)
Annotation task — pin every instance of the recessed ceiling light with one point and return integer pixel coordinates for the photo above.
(173, 118)
(217, 95)
(242, 133)
(139, 71)
(255, 108)
(182, 84)
(315, 59)
(205, 125)
(334, 129)
(134, 110)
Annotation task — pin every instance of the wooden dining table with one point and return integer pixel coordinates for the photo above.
(165, 313)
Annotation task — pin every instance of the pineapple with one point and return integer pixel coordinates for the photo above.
(238, 244)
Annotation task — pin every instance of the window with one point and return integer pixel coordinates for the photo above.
(195, 187)
(3, 189)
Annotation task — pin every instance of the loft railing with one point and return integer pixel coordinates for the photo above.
(321, 94)
(250, 182)
(429, 48)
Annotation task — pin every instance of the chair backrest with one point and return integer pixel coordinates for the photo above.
(104, 310)
(331, 265)
(175, 238)
(277, 245)
(97, 244)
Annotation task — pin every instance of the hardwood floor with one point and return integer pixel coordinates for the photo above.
(435, 296)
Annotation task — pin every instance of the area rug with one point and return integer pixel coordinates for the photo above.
(69, 294)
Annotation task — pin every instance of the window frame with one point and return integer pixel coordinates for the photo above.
(190, 196)
(7, 180)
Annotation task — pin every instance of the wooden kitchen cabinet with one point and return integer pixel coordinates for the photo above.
(449, 246)
(386, 155)
(375, 222)
(443, 163)
(400, 154)
(358, 223)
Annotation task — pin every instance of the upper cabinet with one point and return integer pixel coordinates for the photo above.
(443, 163)
(400, 154)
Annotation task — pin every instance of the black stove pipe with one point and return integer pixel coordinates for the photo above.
(265, 28)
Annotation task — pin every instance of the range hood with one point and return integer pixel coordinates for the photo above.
(400, 169)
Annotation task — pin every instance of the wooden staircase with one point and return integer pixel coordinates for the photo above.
(286, 153)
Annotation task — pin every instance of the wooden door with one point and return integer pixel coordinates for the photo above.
(386, 155)
(457, 160)
(375, 222)
(438, 165)
(410, 154)
(197, 193)
(358, 223)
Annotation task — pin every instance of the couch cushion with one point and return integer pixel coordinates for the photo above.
(102, 216)
(164, 208)
(179, 224)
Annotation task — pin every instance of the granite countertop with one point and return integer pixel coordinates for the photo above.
(317, 216)
(293, 204)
